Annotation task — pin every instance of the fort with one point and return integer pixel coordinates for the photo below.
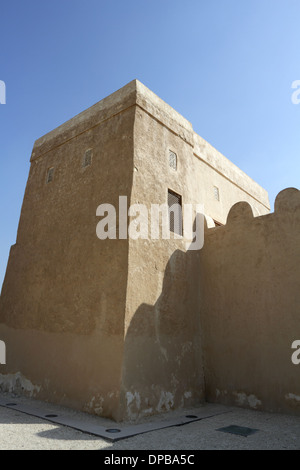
(125, 328)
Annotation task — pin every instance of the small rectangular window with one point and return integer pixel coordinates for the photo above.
(216, 193)
(50, 175)
(175, 212)
(173, 160)
(87, 158)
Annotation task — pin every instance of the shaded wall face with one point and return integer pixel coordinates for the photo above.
(162, 366)
(162, 361)
(250, 288)
(162, 358)
(63, 300)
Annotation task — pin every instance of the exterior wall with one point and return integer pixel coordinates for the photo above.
(112, 326)
(159, 128)
(250, 291)
(162, 358)
(162, 367)
(63, 300)
(213, 169)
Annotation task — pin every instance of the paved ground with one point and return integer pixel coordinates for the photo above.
(23, 431)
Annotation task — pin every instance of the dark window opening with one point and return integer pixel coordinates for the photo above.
(175, 212)
(173, 160)
(50, 175)
(87, 159)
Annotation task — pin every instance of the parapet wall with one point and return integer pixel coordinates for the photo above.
(250, 307)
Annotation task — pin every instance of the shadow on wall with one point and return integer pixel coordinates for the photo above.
(162, 367)
(250, 307)
(243, 287)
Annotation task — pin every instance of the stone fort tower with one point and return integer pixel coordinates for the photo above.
(112, 326)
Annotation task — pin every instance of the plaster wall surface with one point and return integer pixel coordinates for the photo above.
(63, 299)
(250, 297)
(163, 365)
(112, 326)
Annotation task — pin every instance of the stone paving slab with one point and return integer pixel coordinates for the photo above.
(105, 428)
(20, 429)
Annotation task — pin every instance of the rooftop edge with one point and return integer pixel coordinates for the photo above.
(136, 93)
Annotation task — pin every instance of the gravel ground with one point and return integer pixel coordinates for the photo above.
(19, 431)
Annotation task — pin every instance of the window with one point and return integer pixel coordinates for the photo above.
(216, 193)
(87, 158)
(173, 160)
(175, 212)
(50, 175)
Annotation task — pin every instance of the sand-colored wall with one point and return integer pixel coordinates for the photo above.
(250, 291)
(163, 366)
(158, 129)
(112, 326)
(63, 299)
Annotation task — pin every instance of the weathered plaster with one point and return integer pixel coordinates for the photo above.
(113, 326)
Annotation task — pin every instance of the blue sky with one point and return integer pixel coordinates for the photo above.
(226, 65)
